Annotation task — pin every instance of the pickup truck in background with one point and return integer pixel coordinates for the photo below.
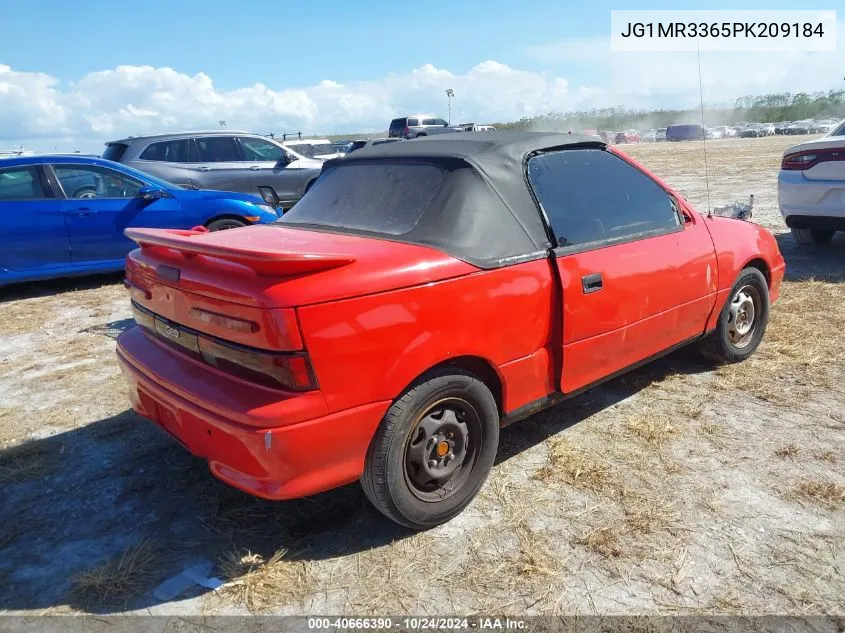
(422, 295)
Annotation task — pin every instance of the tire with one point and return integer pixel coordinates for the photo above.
(733, 341)
(225, 223)
(822, 237)
(421, 134)
(808, 237)
(407, 453)
(84, 193)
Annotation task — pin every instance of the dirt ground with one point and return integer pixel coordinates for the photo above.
(679, 488)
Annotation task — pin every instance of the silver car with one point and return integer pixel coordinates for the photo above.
(222, 160)
(419, 125)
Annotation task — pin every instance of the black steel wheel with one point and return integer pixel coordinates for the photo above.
(442, 448)
(433, 450)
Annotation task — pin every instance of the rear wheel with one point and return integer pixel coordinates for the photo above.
(433, 450)
(742, 321)
(225, 223)
(812, 236)
(85, 193)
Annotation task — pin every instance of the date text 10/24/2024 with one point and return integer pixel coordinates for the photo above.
(415, 624)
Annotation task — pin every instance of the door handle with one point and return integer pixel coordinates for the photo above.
(592, 283)
(85, 211)
(254, 168)
(203, 168)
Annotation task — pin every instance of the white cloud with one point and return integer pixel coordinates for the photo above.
(40, 112)
(671, 79)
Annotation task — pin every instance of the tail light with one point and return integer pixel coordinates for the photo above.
(806, 159)
(223, 321)
(290, 371)
(283, 370)
(406, 131)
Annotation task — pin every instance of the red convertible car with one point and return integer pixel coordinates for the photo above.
(419, 297)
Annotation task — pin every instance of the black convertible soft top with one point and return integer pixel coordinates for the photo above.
(484, 213)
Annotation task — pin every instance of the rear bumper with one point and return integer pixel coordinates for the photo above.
(815, 222)
(811, 204)
(277, 460)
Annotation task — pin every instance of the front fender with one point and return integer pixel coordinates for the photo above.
(740, 243)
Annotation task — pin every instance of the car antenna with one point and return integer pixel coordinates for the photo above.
(704, 130)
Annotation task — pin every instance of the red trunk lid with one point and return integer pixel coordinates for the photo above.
(261, 273)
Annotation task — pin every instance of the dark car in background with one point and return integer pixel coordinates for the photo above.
(689, 132)
(752, 130)
(628, 136)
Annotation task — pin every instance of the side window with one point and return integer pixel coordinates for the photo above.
(590, 195)
(439, 122)
(259, 150)
(413, 122)
(429, 122)
(168, 151)
(218, 149)
(89, 181)
(22, 183)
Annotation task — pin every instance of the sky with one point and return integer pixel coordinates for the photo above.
(76, 74)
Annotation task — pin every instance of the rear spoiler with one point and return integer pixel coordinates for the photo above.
(263, 261)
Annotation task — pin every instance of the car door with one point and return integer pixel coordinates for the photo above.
(638, 272)
(34, 235)
(221, 165)
(270, 166)
(96, 223)
(168, 160)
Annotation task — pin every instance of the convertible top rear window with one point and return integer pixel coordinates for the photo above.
(385, 198)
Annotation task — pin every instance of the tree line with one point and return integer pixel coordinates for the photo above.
(771, 108)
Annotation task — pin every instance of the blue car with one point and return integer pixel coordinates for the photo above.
(65, 215)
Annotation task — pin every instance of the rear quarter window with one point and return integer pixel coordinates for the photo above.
(114, 151)
(385, 198)
(168, 151)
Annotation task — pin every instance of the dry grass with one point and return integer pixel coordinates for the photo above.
(27, 461)
(790, 450)
(534, 553)
(120, 579)
(654, 428)
(575, 466)
(826, 456)
(262, 585)
(649, 514)
(604, 541)
(802, 348)
(827, 493)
